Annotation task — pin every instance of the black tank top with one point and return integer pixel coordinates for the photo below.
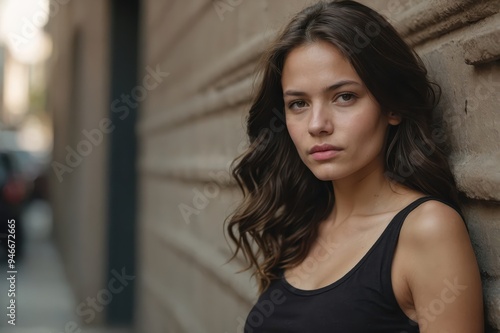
(362, 301)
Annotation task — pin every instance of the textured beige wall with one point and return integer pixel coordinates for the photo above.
(191, 126)
(78, 99)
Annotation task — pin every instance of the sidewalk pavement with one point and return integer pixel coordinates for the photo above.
(44, 300)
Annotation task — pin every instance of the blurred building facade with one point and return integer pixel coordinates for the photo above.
(24, 48)
(78, 94)
(143, 140)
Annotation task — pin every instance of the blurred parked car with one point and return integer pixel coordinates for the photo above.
(23, 179)
(15, 189)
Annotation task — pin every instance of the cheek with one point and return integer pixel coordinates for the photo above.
(369, 136)
(367, 124)
(293, 130)
(296, 133)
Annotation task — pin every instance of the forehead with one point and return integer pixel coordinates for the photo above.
(316, 63)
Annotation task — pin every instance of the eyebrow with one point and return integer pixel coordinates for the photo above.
(330, 88)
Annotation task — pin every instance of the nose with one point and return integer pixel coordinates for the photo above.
(320, 121)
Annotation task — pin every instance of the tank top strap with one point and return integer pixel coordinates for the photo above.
(388, 247)
(401, 215)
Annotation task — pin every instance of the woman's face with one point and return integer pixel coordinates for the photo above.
(326, 103)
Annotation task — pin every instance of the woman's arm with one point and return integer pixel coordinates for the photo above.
(444, 277)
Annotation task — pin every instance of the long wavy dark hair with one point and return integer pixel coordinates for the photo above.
(283, 202)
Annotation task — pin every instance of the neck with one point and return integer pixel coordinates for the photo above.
(364, 193)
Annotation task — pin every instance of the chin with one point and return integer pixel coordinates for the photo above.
(326, 171)
(326, 175)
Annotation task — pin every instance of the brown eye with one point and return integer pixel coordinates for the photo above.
(297, 105)
(345, 98)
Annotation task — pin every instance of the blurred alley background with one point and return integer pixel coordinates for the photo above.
(118, 121)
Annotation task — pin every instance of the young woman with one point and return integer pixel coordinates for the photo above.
(350, 214)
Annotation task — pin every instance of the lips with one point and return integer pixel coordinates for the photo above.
(324, 152)
(323, 147)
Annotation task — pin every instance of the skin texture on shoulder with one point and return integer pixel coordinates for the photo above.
(441, 271)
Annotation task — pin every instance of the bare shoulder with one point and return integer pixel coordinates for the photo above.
(441, 269)
(434, 221)
(435, 234)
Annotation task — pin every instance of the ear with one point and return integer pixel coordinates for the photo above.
(393, 118)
